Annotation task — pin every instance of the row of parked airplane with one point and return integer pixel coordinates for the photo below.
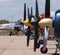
(14, 27)
(44, 23)
(7, 26)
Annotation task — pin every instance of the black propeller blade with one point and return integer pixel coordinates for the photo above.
(47, 9)
(36, 28)
(28, 29)
(31, 12)
(24, 16)
(24, 11)
(28, 13)
(36, 11)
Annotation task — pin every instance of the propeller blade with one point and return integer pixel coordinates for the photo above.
(36, 27)
(37, 11)
(28, 29)
(24, 11)
(28, 36)
(47, 9)
(29, 15)
(31, 12)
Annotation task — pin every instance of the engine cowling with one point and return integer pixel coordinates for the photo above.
(46, 22)
(57, 24)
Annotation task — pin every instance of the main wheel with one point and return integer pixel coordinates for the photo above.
(44, 50)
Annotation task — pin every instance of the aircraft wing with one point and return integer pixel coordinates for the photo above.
(7, 26)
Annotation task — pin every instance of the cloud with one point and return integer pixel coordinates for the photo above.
(15, 7)
(5, 0)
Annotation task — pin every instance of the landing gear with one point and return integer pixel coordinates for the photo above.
(58, 47)
(37, 45)
(40, 41)
(44, 50)
(14, 32)
(10, 33)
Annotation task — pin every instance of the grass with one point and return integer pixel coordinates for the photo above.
(7, 32)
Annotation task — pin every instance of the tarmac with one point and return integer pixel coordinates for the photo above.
(16, 45)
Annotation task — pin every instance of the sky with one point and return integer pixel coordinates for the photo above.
(12, 10)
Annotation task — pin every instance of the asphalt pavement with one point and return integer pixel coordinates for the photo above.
(16, 45)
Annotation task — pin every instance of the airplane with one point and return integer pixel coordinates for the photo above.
(46, 23)
(7, 26)
(50, 24)
(12, 26)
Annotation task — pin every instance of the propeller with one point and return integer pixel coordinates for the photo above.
(28, 29)
(36, 27)
(47, 15)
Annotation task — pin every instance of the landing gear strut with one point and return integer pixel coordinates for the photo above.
(58, 46)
